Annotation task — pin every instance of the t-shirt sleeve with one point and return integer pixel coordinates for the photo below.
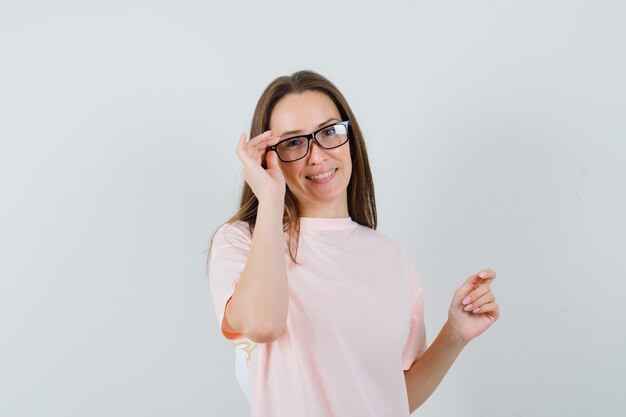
(228, 256)
(416, 341)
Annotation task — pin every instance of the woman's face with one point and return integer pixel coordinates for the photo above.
(304, 113)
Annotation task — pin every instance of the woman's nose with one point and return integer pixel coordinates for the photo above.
(316, 153)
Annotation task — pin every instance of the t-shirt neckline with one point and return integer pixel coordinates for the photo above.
(327, 223)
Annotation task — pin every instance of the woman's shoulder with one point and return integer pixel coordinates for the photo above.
(233, 232)
(382, 238)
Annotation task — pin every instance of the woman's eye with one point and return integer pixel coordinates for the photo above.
(329, 131)
(292, 143)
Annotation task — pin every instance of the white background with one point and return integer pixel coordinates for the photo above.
(496, 133)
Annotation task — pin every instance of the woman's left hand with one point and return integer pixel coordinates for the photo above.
(474, 308)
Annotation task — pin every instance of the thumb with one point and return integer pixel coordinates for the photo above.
(272, 160)
(468, 286)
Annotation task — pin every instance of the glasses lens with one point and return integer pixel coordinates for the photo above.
(332, 136)
(292, 149)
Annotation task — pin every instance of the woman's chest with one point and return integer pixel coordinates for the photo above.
(348, 299)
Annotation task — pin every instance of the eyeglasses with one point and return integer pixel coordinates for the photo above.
(297, 147)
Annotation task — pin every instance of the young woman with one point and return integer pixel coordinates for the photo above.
(327, 310)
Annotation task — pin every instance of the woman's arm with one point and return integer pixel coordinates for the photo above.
(429, 369)
(258, 308)
(472, 311)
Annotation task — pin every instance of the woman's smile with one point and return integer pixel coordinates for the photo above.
(324, 177)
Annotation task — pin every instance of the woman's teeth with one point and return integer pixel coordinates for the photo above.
(324, 175)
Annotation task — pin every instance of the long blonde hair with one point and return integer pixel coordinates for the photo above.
(361, 200)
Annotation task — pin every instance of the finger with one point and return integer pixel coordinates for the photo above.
(272, 141)
(468, 286)
(483, 299)
(488, 308)
(259, 146)
(241, 150)
(249, 150)
(476, 293)
(241, 142)
(258, 156)
(245, 153)
(263, 146)
(271, 159)
(487, 275)
(255, 141)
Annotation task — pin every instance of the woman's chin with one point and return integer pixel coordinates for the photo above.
(324, 197)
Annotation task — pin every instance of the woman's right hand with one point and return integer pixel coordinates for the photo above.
(266, 184)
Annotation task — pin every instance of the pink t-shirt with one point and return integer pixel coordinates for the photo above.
(355, 323)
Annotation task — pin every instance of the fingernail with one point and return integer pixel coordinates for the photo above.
(468, 307)
(483, 274)
(476, 310)
(466, 300)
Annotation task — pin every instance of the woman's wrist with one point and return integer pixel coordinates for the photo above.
(273, 207)
(453, 337)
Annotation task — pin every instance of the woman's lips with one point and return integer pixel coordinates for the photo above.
(325, 178)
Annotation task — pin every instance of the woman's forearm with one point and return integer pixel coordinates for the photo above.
(429, 369)
(258, 308)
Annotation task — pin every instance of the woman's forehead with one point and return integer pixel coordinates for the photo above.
(302, 113)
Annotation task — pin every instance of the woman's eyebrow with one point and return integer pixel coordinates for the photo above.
(291, 132)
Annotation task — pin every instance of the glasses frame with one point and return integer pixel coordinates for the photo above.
(312, 136)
